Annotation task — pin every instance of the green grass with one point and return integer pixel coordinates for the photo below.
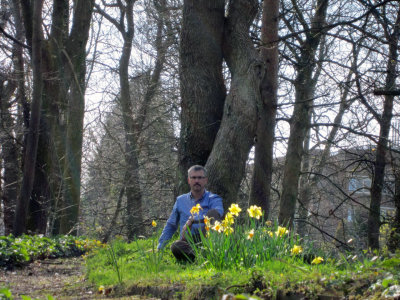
(242, 256)
(140, 267)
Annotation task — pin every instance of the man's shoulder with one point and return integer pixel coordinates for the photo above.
(183, 197)
(212, 196)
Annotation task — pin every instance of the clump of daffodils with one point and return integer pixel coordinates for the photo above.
(226, 225)
(254, 212)
(235, 209)
(281, 231)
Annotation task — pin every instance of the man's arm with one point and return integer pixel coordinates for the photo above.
(170, 227)
(216, 203)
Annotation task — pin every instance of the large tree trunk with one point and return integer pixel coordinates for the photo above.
(381, 149)
(33, 133)
(75, 58)
(262, 173)
(227, 161)
(300, 121)
(63, 69)
(202, 85)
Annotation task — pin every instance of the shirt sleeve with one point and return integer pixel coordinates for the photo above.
(170, 227)
(216, 203)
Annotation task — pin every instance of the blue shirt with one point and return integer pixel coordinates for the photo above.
(181, 213)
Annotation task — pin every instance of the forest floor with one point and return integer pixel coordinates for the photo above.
(62, 278)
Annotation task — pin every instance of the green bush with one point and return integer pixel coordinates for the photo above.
(18, 251)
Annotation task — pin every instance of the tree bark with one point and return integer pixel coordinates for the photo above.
(300, 121)
(75, 65)
(227, 161)
(33, 134)
(262, 172)
(202, 85)
(381, 149)
(8, 154)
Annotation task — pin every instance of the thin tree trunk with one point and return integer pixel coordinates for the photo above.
(263, 160)
(8, 154)
(33, 134)
(299, 123)
(381, 149)
(75, 57)
(115, 216)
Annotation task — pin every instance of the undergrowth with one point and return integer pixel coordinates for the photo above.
(17, 251)
(250, 257)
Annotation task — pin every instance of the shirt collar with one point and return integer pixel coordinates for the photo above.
(202, 197)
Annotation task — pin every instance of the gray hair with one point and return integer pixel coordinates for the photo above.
(197, 168)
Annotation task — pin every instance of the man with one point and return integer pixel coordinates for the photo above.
(211, 206)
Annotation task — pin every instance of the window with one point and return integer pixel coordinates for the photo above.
(360, 185)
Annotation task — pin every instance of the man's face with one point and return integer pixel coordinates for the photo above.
(197, 181)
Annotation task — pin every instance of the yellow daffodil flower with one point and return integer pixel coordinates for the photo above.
(317, 260)
(235, 209)
(296, 250)
(102, 289)
(154, 223)
(228, 230)
(218, 227)
(229, 218)
(255, 212)
(207, 221)
(195, 209)
(250, 234)
(270, 233)
(281, 231)
(268, 223)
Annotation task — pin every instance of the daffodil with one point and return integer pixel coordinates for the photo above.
(255, 212)
(207, 221)
(270, 233)
(268, 223)
(154, 223)
(317, 260)
(281, 231)
(296, 250)
(228, 230)
(229, 218)
(250, 234)
(218, 227)
(102, 289)
(235, 209)
(195, 209)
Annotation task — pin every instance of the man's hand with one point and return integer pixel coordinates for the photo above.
(187, 226)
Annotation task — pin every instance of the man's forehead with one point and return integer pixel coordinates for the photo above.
(196, 171)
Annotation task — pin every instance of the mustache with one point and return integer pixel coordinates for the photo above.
(197, 184)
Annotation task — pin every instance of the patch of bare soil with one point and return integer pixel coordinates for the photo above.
(60, 278)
